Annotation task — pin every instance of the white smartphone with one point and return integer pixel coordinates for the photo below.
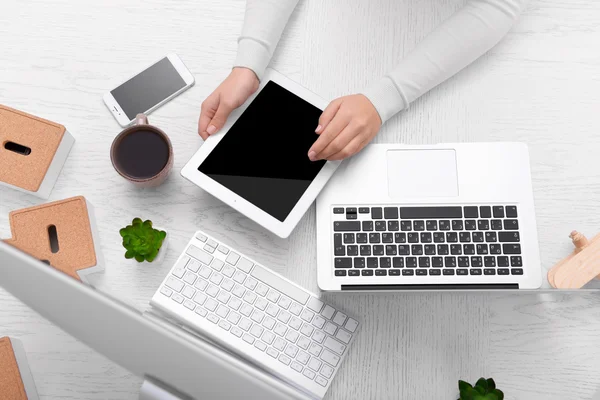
(149, 89)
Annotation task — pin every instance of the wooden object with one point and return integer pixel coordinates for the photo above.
(61, 233)
(32, 151)
(580, 267)
(16, 382)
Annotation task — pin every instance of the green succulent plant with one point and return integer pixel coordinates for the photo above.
(141, 240)
(484, 389)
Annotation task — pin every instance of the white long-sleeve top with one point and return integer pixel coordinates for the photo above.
(453, 45)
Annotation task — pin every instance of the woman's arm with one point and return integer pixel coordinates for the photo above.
(452, 46)
(263, 25)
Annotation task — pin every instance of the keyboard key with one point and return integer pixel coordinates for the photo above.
(425, 237)
(166, 291)
(413, 237)
(411, 262)
(448, 271)
(516, 261)
(348, 238)
(199, 255)
(516, 271)
(483, 224)
(260, 345)
(407, 272)
(367, 226)
(490, 237)
(471, 212)
(462, 272)
(489, 271)
(380, 272)
(257, 330)
(437, 262)
(393, 226)
(439, 237)
(189, 304)
(394, 272)
(416, 250)
(443, 249)
(380, 226)
(496, 224)
(482, 249)
(212, 318)
(503, 271)
(268, 323)
(489, 261)
(390, 212)
(364, 210)
(431, 225)
(339, 318)
(174, 284)
(315, 349)
(291, 351)
(419, 225)
(455, 249)
(361, 238)
(318, 336)
(511, 211)
(234, 317)
(485, 211)
(201, 237)
(376, 213)
(346, 226)
(246, 309)
(463, 262)
(476, 262)
(475, 271)
(451, 237)
(338, 210)
(511, 248)
(477, 236)
(430, 212)
(511, 224)
(498, 211)
(508, 237)
(339, 251)
(330, 358)
(327, 371)
(248, 339)
(469, 249)
(421, 272)
(464, 237)
(444, 225)
(314, 364)
(424, 262)
(378, 250)
(272, 352)
(435, 272)
(309, 374)
(495, 249)
(330, 328)
(343, 262)
(372, 262)
(503, 261)
(457, 225)
(470, 225)
(405, 226)
(367, 272)
(387, 237)
(351, 325)
(450, 262)
(328, 312)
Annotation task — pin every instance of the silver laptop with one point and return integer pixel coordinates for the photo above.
(175, 364)
(447, 216)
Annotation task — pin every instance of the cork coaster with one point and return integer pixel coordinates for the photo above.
(67, 220)
(40, 136)
(11, 384)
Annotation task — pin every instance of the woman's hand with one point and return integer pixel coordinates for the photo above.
(231, 93)
(346, 126)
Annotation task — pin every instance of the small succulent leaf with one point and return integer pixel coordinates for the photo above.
(491, 396)
(129, 254)
(136, 221)
(123, 232)
(479, 397)
(162, 235)
(480, 389)
(139, 258)
(150, 258)
(462, 385)
(482, 382)
(491, 384)
(147, 224)
(499, 394)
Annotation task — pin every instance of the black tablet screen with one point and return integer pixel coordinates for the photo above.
(263, 157)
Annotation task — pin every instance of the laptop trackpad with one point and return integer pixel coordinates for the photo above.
(422, 173)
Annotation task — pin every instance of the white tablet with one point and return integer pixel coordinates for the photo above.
(258, 162)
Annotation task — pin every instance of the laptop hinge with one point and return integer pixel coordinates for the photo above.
(460, 286)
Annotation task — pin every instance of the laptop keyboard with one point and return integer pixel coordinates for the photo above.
(426, 241)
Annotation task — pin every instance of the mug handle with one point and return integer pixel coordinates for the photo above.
(141, 119)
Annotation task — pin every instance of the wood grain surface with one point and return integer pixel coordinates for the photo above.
(540, 85)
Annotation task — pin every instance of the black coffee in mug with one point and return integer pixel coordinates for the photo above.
(142, 154)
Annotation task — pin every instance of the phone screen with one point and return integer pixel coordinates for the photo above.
(148, 88)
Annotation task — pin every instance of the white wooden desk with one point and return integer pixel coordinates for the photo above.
(541, 85)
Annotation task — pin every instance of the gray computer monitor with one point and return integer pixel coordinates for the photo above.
(170, 357)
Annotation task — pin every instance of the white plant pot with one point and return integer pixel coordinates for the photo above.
(161, 253)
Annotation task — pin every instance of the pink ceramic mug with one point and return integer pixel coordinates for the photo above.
(142, 153)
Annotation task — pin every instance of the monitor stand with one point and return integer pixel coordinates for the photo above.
(154, 390)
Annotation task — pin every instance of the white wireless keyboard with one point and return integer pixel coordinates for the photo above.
(257, 314)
